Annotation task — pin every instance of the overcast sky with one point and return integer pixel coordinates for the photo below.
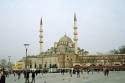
(101, 24)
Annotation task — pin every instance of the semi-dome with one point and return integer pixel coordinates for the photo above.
(65, 38)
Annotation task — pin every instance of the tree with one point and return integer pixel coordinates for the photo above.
(82, 51)
(114, 51)
(120, 50)
(3, 62)
(86, 52)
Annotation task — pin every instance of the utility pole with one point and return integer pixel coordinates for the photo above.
(9, 63)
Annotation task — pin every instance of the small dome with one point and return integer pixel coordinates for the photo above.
(65, 38)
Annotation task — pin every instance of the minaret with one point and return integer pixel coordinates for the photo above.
(41, 36)
(75, 33)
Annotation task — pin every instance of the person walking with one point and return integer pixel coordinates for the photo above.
(18, 74)
(27, 77)
(78, 73)
(0, 76)
(107, 72)
(70, 72)
(3, 78)
(33, 77)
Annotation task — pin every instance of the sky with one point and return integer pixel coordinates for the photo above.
(101, 26)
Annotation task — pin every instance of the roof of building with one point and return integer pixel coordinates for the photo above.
(65, 38)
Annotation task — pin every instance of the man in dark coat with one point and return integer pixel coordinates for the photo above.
(33, 76)
(27, 77)
(2, 80)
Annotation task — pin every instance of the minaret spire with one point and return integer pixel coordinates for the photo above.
(41, 36)
(75, 33)
(41, 22)
(75, 19)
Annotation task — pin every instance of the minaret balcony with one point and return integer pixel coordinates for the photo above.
(40, 41)
(75, 33)
(41, 36)
(75, 27)
(41, 30)
(75, 39)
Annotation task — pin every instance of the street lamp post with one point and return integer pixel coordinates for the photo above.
(9, 64)
(26, 46)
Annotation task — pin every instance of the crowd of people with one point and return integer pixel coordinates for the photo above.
(4, 74)
(33, 73)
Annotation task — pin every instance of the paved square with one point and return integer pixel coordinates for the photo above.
(114, 77)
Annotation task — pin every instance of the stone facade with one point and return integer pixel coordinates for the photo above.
(62, 55)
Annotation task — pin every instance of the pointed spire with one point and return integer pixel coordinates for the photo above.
(41, 22)
(65, 34)
(75, 19)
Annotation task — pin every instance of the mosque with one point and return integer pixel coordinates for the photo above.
(66, 54)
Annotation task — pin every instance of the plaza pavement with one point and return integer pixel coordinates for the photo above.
(114, 77)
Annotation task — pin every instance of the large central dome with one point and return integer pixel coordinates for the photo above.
(65, 38)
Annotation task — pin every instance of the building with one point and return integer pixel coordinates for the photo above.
(66, 54)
